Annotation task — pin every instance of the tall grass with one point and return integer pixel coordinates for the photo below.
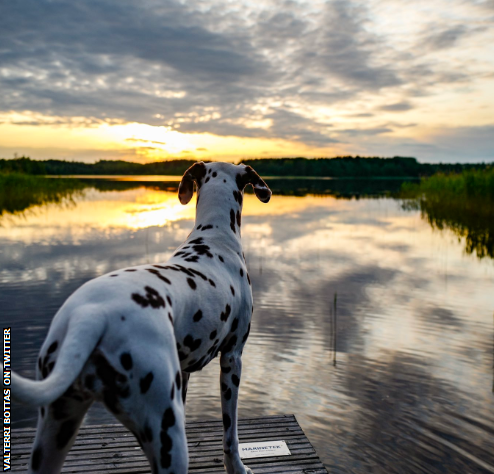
(463, 203)
(20, 191)
(470, 184)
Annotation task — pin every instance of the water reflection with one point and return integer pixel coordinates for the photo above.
(412, 389)
(470, 220)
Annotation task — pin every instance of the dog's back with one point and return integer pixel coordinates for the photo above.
(129, 338)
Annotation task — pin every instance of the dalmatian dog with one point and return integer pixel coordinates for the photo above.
(132, 337)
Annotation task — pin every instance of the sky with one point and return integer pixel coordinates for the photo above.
(229, 80)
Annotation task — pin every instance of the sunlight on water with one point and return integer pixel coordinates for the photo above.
(408, 386)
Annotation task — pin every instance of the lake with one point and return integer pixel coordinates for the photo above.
(372, 326)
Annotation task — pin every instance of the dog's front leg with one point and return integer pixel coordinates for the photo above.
(231, 369)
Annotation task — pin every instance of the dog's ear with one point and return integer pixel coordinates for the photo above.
(193, 175)
(261, 189)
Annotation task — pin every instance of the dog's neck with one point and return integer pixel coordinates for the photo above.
(220, 211)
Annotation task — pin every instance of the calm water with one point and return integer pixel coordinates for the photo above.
(409, 387)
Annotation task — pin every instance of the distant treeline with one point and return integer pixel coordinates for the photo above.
(344, 167)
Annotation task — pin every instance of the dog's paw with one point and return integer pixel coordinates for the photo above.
(234, 465)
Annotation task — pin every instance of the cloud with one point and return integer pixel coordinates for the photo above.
(397, 107)
(248, 70)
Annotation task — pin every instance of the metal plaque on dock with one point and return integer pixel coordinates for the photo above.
(266, 448)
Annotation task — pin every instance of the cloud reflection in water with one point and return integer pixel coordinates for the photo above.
(411, 391)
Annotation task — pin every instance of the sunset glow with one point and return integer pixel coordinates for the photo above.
(265, 79)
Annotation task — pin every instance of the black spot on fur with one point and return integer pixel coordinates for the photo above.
(228, 394)
(169, 300)
(235, 380)
(193, 258)
(145, 382)
(199, 227)
(215, 174)
(225, 370)
(212, 283)
(234, 325)
(148, 433)
(224, 315)
(172, 393)
(191, 343)
(232, 290)
(224, 387)
(168, 419)
(178, 380)
(36, 458)
(227, 422)
(240, 182)
(59, 409)
(152, 298)
(197, 365)
(202, 249)
(182, 269)
(248, 279)
(221, 258)
(241, 272)
(207, 179)
(49, 367)
(206, 227)
(166, 459)
(198, 273)
(170, 317)
(113, 275)
(191, 283)
(52, 348)
(228, 346)
(182, 355)
(246, 335)
(159, 275)
(64, 435)
(239, 219)
(130, 270)
(126, 361)
(114, 383)
(199, 240)
(213, 335)
(232, 221)
(89, 382)
(198, 316)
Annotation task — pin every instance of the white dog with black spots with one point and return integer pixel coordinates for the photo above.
(132, 337)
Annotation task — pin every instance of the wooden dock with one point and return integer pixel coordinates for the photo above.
(111, 449)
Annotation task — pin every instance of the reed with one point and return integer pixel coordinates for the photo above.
(470, 184)
(19, 191)
(463, 203)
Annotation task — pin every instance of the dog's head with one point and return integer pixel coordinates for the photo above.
(237, 176)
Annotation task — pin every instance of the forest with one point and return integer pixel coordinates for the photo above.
(341, 167)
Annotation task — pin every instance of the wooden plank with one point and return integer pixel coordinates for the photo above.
(112, 449)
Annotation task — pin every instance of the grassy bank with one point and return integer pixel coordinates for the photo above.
(20, 191)
(463, 203)
(470, 184)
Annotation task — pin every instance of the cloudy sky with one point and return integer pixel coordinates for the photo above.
(223, 79)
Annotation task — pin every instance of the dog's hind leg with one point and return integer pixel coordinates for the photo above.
(162, 438)
(58, 425)
(151, 407)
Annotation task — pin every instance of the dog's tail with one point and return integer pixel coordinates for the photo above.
(83, 334)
